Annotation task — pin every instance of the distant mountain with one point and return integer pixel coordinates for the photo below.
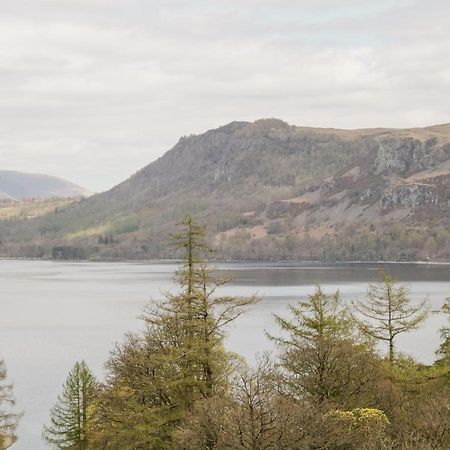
(267, 191)
(20, 186)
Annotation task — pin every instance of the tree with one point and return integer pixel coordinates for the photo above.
(421, 417)
(252, 415)
(256, 414)
(8, 419)
(444, 349)
(156, 377)
(325, 361)
(71, 415)
(389, 312)
(191, 241)
(196, 316)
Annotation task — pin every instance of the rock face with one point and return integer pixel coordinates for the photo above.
(407, 156)
(398, 160)
(412, 196)
(266, 190)
(20, 186)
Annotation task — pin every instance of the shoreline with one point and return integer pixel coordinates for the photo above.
(218, 261)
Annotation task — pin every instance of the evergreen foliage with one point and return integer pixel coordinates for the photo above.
(8, 418)
(70, 416)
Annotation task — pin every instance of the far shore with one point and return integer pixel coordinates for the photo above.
(219, 261)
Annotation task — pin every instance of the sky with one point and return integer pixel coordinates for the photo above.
(94, 90)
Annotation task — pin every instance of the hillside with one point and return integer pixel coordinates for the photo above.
(267, 190)
(31, 208)
(20, 186)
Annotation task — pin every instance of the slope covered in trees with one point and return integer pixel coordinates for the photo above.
(267, 190)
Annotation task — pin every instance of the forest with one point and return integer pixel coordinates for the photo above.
(336, 380)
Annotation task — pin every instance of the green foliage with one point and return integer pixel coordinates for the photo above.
(444, 349)
(324, 360)
(71, 415)
(320, 316)
(174, 385)
(191, 240)
(125, 225)
(8, 418)
(420, 417)
(157, 376)
(358, 429)
(388, 312)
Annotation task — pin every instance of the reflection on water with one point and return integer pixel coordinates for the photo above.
(52, 314)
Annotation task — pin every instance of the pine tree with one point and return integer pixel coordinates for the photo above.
(70, 416)
(388, 312)
(8, 419)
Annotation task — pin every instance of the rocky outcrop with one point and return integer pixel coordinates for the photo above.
(414, 196)
(405, 156)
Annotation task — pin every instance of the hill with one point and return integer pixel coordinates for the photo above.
(13, 210)
(20, 186)
(267, 190)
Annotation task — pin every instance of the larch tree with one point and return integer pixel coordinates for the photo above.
(197, 315)
(8, 418)
(70, 416)
(324, 360)
(388, 311)
(444, 348)
(156, 377)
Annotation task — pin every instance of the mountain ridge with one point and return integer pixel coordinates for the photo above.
(268, 190)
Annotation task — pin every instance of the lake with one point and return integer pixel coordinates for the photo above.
(54, 313)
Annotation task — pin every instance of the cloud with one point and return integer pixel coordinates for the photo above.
(94, 90)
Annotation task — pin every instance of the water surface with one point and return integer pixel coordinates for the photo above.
(53, 314)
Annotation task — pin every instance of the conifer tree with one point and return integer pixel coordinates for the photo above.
(388, 312)
(156, 377)
(8, 419)
(70, 416)
(325, 361)
(444, 349)
(196, 316)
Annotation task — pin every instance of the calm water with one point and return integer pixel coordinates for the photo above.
(52, 314)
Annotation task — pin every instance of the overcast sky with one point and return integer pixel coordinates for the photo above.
(93, 90)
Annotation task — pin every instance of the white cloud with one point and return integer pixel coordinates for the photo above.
(94, 90)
